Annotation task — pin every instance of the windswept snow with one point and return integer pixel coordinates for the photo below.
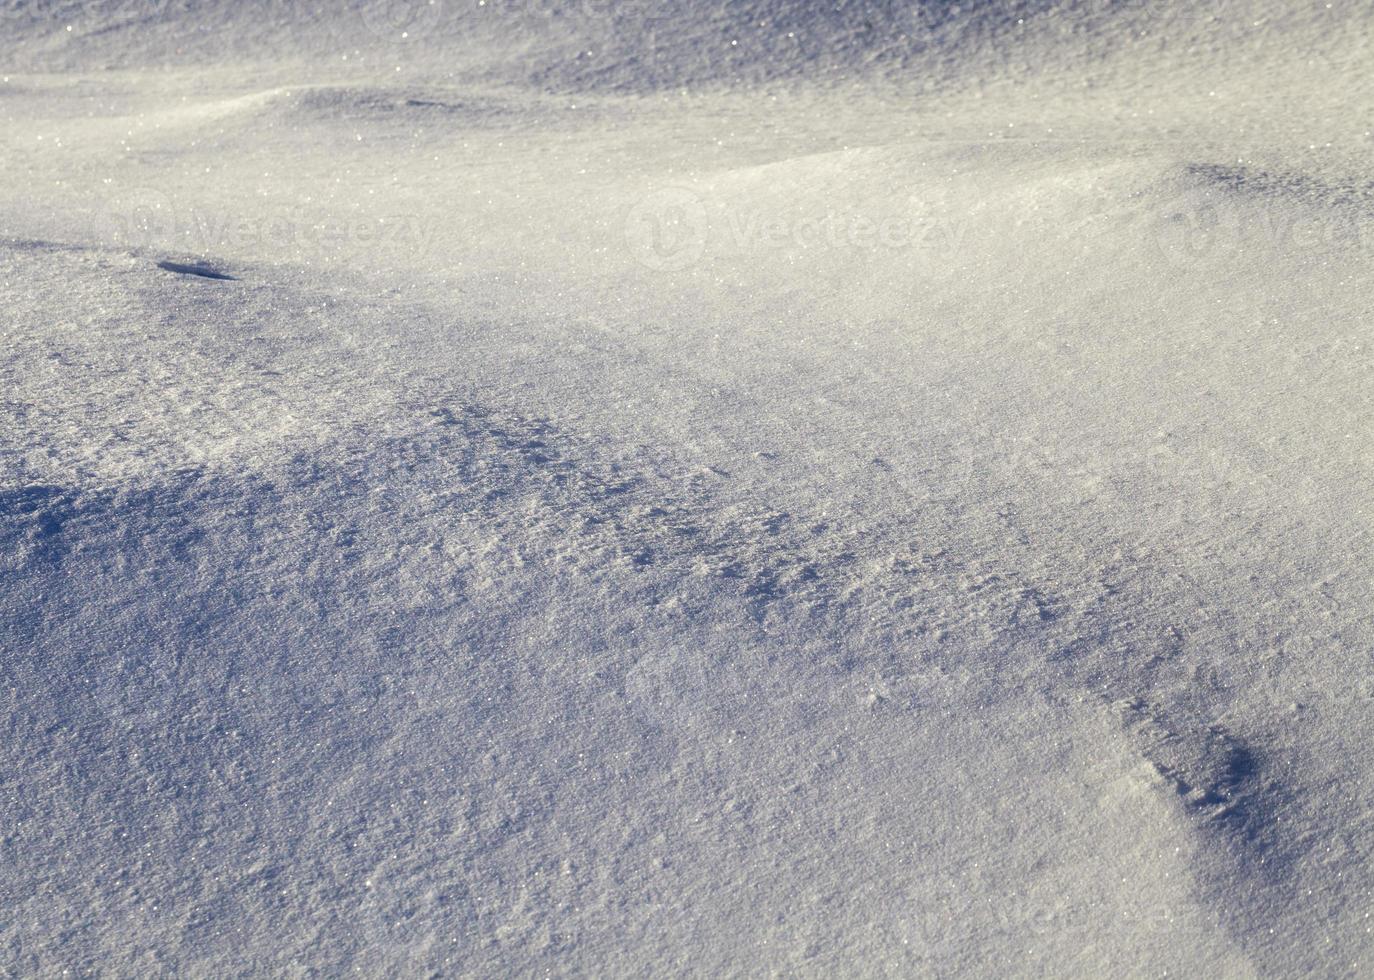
(596, 489)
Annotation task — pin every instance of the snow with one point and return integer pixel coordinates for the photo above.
(585, 489)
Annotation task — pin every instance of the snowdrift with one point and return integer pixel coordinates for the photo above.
(589, 488)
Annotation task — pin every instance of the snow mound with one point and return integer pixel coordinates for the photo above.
(642, 47)
(761, 487)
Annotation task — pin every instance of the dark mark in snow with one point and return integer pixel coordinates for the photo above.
(204, 271)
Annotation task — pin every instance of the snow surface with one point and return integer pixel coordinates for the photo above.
(615, 489)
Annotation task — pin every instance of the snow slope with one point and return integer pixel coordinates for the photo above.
(563, 492)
